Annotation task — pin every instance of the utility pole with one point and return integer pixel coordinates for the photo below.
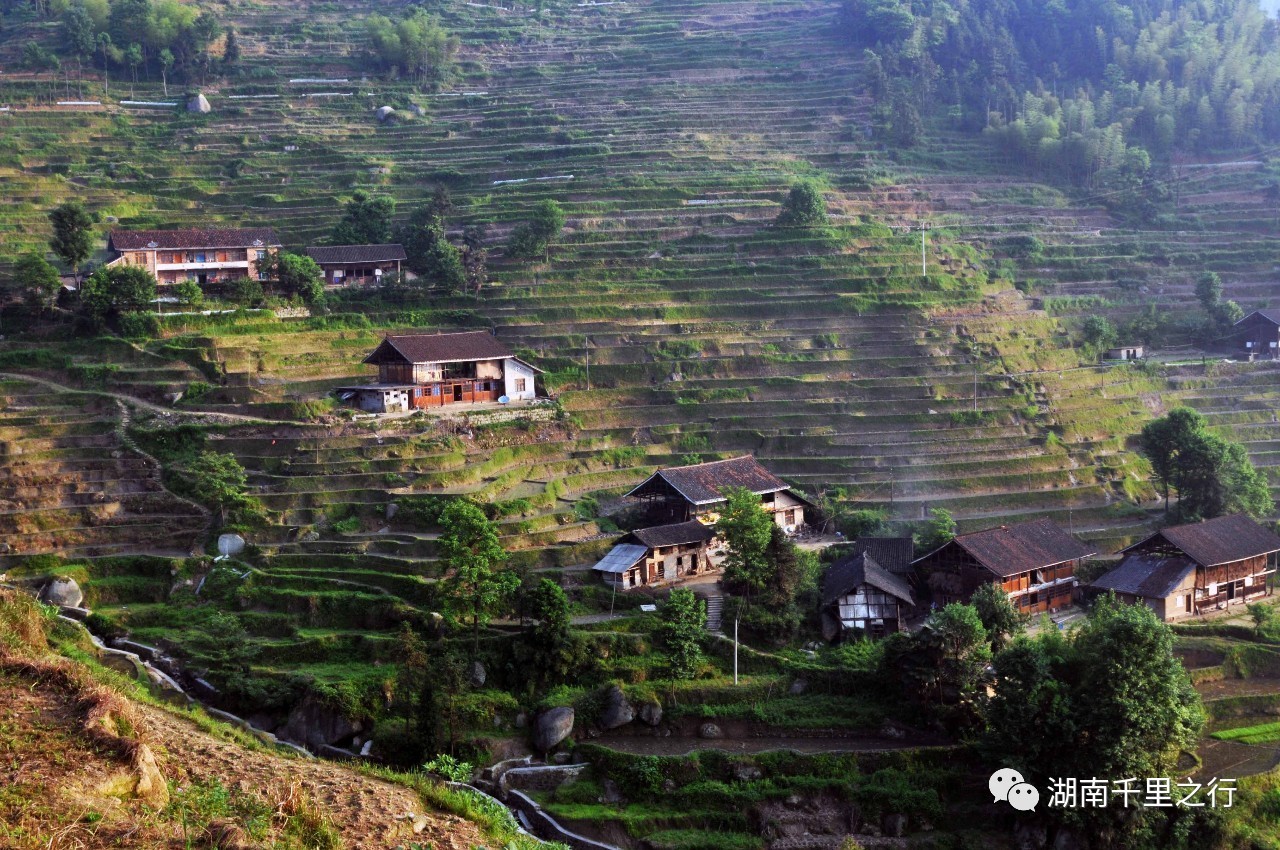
(735, 650)
(586, 355)
(975, 384)
(924, 270)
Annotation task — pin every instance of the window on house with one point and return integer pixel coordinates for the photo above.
(789, 517)
(520, 385)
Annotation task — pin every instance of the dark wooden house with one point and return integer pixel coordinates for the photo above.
(1258, 334)
(436, 370)
(681, 493)
(658, 555)
(357, 265)
(1033, 562)
(1188, 570)
(895, 554)
(862, 598)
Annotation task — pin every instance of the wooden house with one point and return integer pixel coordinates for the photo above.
(1258, 334)
(418, 371)
(682, 493)
(658, 555)
(203, 256)
(357, 265)
(1033, 562)
(894, 554)
(862, 598)
(1188, 570)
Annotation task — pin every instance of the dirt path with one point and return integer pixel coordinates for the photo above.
(134, 401)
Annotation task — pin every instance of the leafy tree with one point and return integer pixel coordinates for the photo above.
(428, 692)
(133, 58)
(1262, 615)
(1099, 332)
(77, 30)
(684, 623)
(366, 220)
(999, 616)
(295, 274)
(430, 255)
(217, 479)
(804, 206)
(534, 237)
(36, 58)
(415, 46)
(110, 293)
(231, 50)
(936, 531)
(223, 646)
(476, 584)
(554, 653)
(246, 292)
(35, 277)
(166, 68)
(747, 531)
(945, 661)
(189, 293)
(72, 240)
(474, 258)
(1212, 476)
(1209, 290)
(906, 128)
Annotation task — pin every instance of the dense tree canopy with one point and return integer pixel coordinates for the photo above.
(139, 32)
(108, 294)
(1081, 88)
(1211, 475)
(366, 220)
(414, 46)
(72, 238)
(473, 558)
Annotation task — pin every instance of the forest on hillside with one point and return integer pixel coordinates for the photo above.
(1093, 90)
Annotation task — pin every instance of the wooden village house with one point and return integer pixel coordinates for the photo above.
(1033, 562)
(1188, 570)
(681, 493)
(203, 256)
(860, 598)
(658, 555)
(1259, 334)
(417, 371)
(357, 265)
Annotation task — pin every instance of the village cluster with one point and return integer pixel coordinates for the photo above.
(1181, 571)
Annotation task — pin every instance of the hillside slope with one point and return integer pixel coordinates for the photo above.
(86, 766)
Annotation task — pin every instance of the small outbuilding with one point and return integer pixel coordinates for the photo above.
(1124, 352)
(860, 598)
(658, 555)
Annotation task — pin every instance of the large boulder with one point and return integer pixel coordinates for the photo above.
(617, 709)
(650, 712)
(199, 103)
(552, 728)
(316, 724)
(385, 112)
(230, 544)
(476, 675)
(710, 730)
(62, 591)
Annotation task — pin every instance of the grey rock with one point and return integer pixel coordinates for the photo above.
(476, 675)
(230, 544)
(392, 510)
(561, 758)
(315, 724)
(200, 104)
(617, 709)
(612, 794)
(522, 720)
(552, 728)
(650, 713)
(62, 591)
(385, 112)
(418, 110)
(367, 749)
(892, 730)
(798, 687)
(894, 825)
(747, 773)
(668, 786)
(710, 730)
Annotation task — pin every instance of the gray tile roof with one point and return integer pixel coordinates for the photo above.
(1148, 576)
(167, 240)
(343, 254)
(1216, 541)
(705, 483)
(1011, 549)
(674, 534)
(850, 572)
(621, 558)
(439, 348)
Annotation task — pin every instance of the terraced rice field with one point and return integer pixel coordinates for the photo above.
(670, 133)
